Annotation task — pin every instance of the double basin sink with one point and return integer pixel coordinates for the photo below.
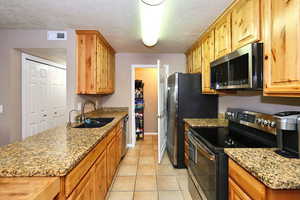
(95, 122)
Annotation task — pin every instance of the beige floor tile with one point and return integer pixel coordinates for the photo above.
(145, 196)
(146, 170)
(145, 183)
(181, 172)
(170, 195)
(147, 152)
(133, 152)
(124, 183)
(165, 160)
(148, 141)
(186, 195)
(127, 170)
(183, 182)
(146, 146)
(167, 183)
(120, 196)
(146, 160)
(130, 160)
(165, 170)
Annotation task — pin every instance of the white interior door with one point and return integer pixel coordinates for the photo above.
(43, 95)
(162, 108)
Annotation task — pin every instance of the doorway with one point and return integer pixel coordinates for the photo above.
(43, 94)
(145, 100)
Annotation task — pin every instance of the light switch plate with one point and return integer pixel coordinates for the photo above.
(79, 106)
(1, 109)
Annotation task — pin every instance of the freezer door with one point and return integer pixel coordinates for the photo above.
(172, 115)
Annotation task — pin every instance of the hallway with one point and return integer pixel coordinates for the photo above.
(140, 177)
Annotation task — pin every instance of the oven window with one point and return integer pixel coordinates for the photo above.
(239, 70)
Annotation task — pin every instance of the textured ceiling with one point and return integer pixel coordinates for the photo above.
(117, 20)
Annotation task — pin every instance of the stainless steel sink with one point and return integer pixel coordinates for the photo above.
(95, 122)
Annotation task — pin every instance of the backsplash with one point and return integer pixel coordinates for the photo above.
(253, 100)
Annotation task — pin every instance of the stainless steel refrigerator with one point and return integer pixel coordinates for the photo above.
(185, 100)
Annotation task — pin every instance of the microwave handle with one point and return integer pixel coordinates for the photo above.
(201, 148)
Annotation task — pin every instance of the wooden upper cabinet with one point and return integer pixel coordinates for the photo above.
(223, 36)
(245, 18)
(95, 67)
(282, 42)
(197, 59)
(208, 55)
(189, 61)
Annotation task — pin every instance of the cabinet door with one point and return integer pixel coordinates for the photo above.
(223, 37)
(235, 192)
(197, 60)
(282, 42)
(86, 63)
(111, 156)
(245, 23)
(109, 71)
(189, 62)
(207, 57)
(101, 177)
(85, 189)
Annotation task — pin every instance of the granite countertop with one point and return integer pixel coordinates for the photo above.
(275, 171)
(56, 151)
(216, 122)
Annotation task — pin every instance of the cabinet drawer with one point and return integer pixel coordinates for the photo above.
(252, 187)
(74, 177)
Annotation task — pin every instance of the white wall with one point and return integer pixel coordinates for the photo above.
(10, 75)
(121, 98)
(255, 101)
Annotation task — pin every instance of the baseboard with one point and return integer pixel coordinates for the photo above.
(150, 133)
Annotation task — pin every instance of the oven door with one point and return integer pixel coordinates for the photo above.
(202, 168)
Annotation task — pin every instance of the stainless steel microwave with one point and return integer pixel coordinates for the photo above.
(241, 69)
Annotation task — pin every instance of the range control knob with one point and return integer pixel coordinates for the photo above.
(258, 120)
(266, 122)
(273, 124)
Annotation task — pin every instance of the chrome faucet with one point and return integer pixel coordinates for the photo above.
(82, 116)
(69, 122)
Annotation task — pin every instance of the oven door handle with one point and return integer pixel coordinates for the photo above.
(201, 148)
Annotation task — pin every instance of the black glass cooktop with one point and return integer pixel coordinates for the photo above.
(218, 138)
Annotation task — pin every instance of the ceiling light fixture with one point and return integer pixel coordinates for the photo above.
(151, 14)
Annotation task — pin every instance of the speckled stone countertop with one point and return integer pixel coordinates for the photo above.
(273, 170)
(57, 151)
(207, 122)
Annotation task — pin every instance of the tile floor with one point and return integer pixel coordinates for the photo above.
(140, 177)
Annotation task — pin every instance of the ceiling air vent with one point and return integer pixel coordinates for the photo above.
(57, 35)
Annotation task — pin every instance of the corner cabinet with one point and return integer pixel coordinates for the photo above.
(95, 61)
(244, 186)
(282, 42)
(223, 36)
(194, 59)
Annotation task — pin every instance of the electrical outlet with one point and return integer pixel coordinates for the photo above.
(1, 109)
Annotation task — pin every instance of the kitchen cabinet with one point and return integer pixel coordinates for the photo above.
(189, 61)
(208, 55)
(245, 25)
(186, 144)
(85, 189)
(197, 59)
(111, 161)
(101, 177)
(244, 186)
(222, 36)
(95, 63)
(281, 35)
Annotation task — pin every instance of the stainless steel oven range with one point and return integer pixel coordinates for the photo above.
(208, 168)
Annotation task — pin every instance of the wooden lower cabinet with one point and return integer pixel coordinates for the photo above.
(244, 186)
(85, 189)
(101, 177)
(111, 157)
(92, 177)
